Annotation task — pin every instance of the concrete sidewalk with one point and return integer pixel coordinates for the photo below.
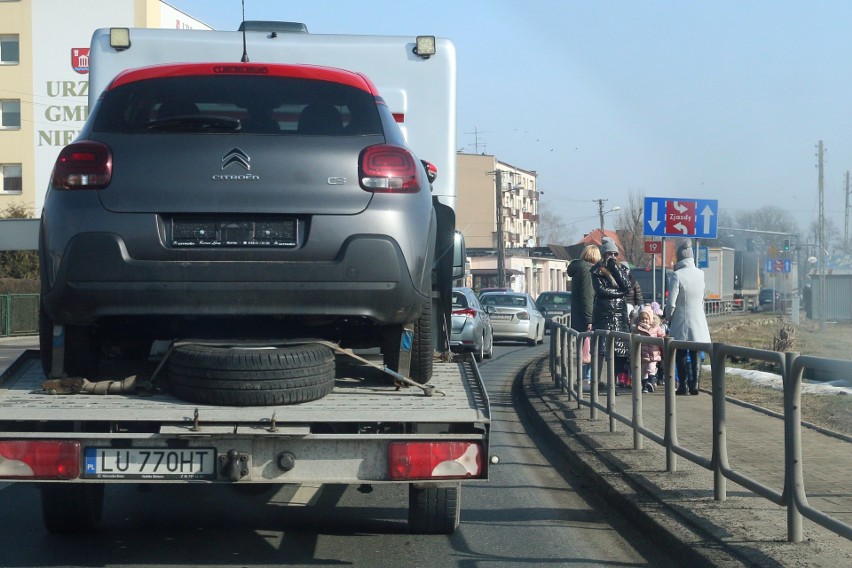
(678, 508)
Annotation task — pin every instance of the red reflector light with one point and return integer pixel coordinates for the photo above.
(39, 459)
(83, 165)
(389, 169)
(466, 312)
(434, 460)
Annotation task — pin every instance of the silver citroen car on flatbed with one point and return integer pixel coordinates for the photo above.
(222, 200)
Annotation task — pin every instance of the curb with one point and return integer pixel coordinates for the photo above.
(638, 502)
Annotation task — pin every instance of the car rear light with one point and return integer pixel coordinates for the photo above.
(434, 460)
(523, 316)
(466, 312)
(389, 169)
(431, 171)
(39, 459)
(83, 165)
(241, 69)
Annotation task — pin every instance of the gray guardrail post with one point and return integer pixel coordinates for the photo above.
(793, 475)
(670, 435)
(719, 457)
(636, 391)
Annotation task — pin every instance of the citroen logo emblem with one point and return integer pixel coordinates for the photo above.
(236, 156)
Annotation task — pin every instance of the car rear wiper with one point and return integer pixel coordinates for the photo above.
(195, 123)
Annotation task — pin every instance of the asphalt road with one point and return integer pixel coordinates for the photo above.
(533, 510)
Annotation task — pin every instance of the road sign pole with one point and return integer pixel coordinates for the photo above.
(665, 273)
(653, 277)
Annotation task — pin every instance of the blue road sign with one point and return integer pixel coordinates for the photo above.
(674, 217)
(703, 257)
(778, 265)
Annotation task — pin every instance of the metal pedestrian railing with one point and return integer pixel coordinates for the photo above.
(566, 368)
(18, 314)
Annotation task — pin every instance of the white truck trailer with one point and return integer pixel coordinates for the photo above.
(719, 280)
(72, 436)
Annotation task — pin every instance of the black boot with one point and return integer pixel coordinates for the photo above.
(694, 372)
(682, 372)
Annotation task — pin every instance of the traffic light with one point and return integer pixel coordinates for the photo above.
(786, 244)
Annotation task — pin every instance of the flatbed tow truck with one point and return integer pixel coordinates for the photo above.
(367, 431)
(72, 437)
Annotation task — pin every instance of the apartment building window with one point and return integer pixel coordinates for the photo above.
(10, 114)
(10, 50)
(10, 179)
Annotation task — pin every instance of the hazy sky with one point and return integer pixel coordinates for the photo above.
(696, 99)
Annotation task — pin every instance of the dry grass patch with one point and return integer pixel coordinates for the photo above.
(761, 331)
(764, 332)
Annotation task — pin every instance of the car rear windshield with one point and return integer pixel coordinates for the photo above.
(234, 103)
(459, 300)
(554, 300)
(504, 300)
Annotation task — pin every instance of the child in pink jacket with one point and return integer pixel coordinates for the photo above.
(647, 323)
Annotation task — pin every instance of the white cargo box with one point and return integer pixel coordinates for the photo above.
(419, 90)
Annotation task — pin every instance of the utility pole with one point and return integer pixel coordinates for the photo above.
(821, 240)
(600, 209)
(501, 246)
(846, 220)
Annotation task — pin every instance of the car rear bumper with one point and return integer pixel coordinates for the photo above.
(463, 336)
(514, 331)
(98, 278)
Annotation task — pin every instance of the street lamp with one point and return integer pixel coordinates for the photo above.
(602, 213)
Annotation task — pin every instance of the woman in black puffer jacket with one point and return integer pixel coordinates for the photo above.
(611, 282)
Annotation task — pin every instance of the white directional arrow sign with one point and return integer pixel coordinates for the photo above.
(655, 220)
(707, 217)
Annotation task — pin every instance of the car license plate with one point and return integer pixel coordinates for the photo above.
(501, 316)
(261, 232)
(150, 463)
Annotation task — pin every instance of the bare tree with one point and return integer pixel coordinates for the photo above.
(759, 229)
(727, 234)
(553, 229)
(833, 238)
(768, 218)
(630, 230)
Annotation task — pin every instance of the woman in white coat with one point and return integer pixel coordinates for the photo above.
(685, 310)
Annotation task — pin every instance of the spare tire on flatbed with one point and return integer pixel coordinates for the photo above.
(243, 376)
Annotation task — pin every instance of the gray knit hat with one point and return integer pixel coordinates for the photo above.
(684, 249)
(609, 246)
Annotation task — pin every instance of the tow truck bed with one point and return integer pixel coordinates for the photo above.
(361, 394)
(365, 432)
